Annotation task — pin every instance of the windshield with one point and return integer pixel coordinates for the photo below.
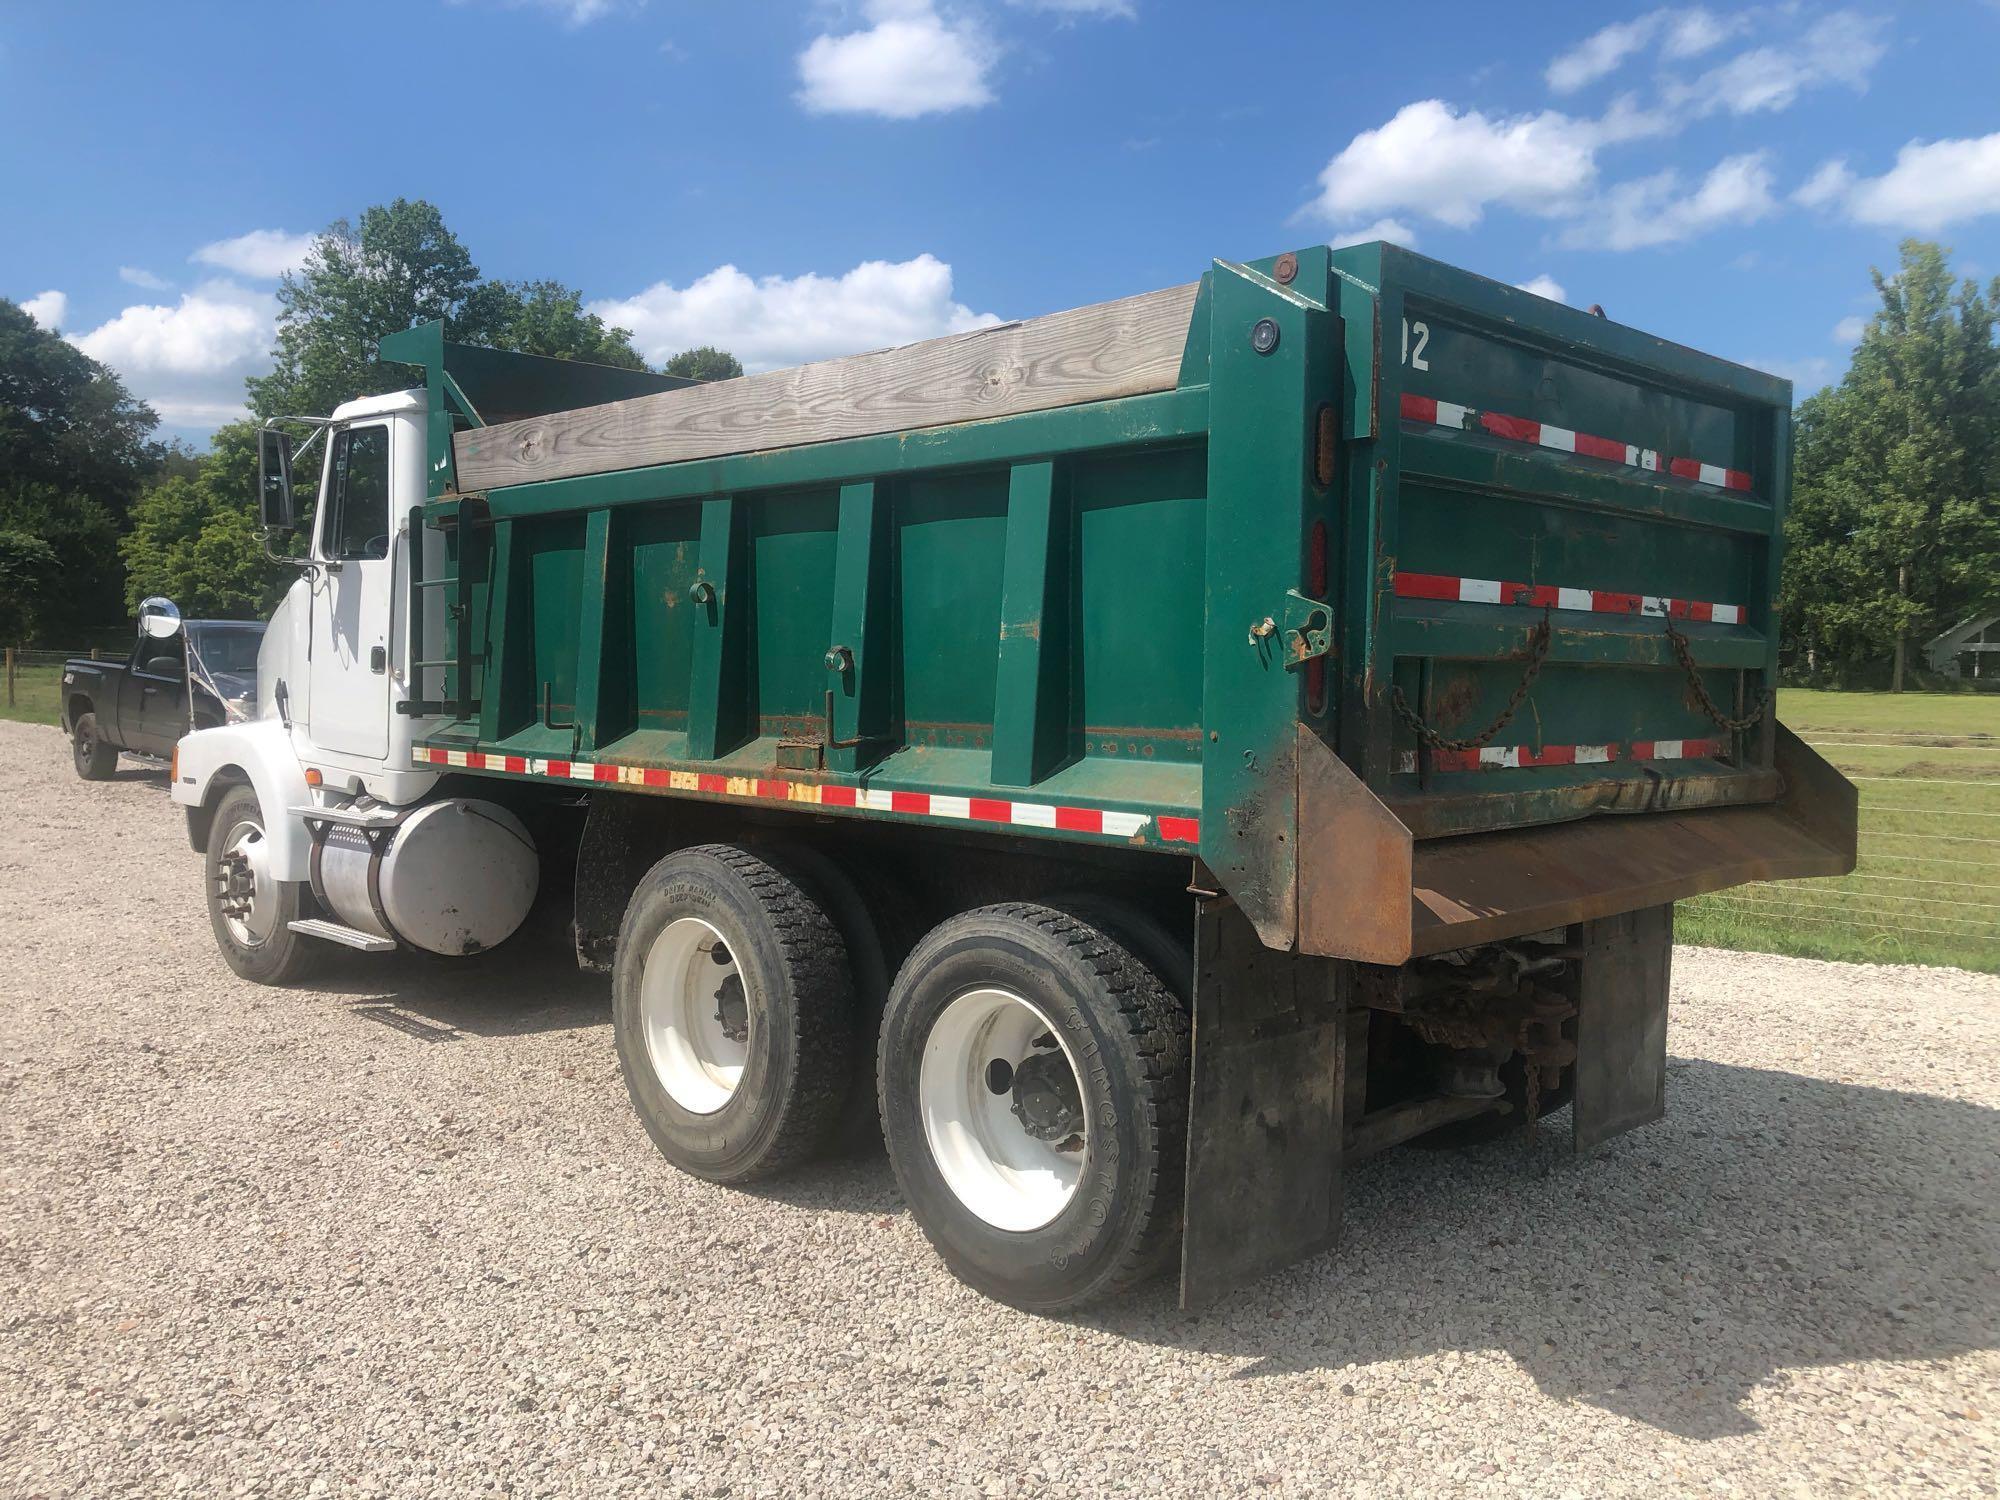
(227, 648)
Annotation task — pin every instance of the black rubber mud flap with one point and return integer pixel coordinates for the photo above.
(1621, 1024)
(1264, 1115)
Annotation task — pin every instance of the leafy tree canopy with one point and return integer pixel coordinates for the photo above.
(1894, 529)
(66, 420)
(399, 266)
(705, 363)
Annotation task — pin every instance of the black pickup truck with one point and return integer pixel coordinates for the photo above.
(182, 674)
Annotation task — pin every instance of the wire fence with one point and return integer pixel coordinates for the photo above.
(1926, 886)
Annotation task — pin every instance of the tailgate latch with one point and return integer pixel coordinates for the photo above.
(1308, 628)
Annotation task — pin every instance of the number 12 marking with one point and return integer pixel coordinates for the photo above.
(1415, 360)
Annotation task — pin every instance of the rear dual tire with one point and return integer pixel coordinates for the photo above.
(1033, 1075)
(733, 1011)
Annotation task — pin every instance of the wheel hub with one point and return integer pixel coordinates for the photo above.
(1045, 1098)
(1003, 1109)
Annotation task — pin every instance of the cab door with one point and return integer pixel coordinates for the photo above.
(152, 706)
(353, 599)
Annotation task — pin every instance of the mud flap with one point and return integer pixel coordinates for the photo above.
(1265, 1112)
(1621, 1024)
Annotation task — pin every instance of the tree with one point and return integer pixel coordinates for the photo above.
(28, 571)
(705, 363)
(194, 537)
(1894, 530)
(67, 421)
(75, 448)
(399, 266)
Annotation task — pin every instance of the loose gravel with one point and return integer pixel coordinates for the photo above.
(400, 1234)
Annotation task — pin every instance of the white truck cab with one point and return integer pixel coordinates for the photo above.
(315, 819)
(336, 656)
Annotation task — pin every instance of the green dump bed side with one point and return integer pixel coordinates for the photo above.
(1205, 616)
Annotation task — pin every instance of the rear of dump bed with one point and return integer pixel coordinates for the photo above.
(1561, 541)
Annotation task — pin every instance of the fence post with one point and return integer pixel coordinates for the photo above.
(96, 654)
(10, 676)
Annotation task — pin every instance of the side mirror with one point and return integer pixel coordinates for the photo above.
(167, 666)
(274, 480)
(159, 618)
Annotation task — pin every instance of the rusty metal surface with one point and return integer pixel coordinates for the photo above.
(1265, 1115)
(1354, 863)
(1486, 887)
(1621, 1024)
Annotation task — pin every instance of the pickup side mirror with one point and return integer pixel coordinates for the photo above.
(159, 620)
(167, 666)
(274, 480)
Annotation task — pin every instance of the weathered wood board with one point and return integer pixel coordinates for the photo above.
(1123, 348)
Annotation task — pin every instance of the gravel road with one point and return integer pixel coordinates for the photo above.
(400, 1234)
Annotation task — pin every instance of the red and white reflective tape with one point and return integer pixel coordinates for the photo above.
(1548, 596)
(1511, 757)
(1047, 816)
(1429, 410)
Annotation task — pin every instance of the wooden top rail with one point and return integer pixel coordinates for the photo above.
(1125, 348)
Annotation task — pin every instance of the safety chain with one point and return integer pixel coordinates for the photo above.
(1685, 654)
(1538, 652)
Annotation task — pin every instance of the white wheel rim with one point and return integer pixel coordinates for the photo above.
(696, 1040)
(1000, 1169)
(245, 841)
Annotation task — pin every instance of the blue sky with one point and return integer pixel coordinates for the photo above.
(795, 179)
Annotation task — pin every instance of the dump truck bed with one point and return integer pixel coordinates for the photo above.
(1318, 570)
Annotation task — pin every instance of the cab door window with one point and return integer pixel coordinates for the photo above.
(357, 497)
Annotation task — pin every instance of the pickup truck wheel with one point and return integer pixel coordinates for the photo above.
(1034, 1079)
(733, 1011)
(248, 907)
(95, 760)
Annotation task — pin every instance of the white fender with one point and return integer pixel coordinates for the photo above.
(261, 753)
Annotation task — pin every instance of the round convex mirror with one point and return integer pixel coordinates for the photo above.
(159, 618)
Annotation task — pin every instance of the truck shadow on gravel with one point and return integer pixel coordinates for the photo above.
(517, 990)
(1771, 1222)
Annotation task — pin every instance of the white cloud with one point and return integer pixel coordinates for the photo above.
(1841, 48)
(1849, 330)
(1545, 286)
(1393, 230)
(1828, 185)
(1660, 210)
(1450, 166)
(1696, 31)
(1933, 184)
(48, 309)
(1687, 34)
(1600, 53)
(189, 359)
(785, 320)
(1806, 375)
(265, 254)
(1122, 9)
(910, 61)
(140, 276)
(570, 12)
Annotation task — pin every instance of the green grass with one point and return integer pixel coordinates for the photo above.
(37, 696)
(1927, 888)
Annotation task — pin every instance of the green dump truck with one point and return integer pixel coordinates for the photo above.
(1147, 757)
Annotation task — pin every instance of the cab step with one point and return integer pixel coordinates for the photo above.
(347, 937)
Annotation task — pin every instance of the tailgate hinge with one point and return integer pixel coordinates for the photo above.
(1307, 628)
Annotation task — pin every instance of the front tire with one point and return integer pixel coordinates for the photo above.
(1034, 1079)
(95, 760)
(733, 1011)
(248, 907)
